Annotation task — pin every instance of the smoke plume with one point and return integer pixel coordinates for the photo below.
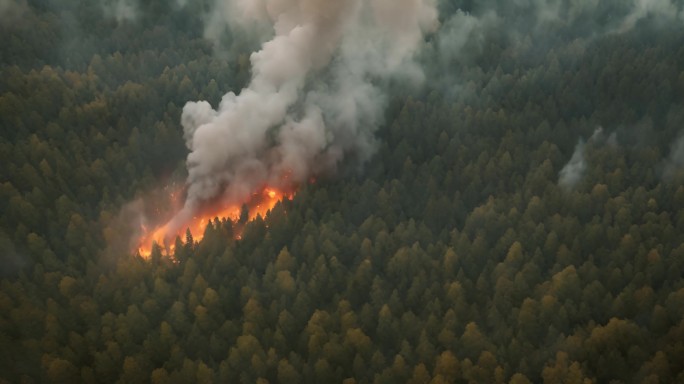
(573, 171)
(313, 98)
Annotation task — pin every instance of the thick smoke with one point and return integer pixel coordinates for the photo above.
(313, 98)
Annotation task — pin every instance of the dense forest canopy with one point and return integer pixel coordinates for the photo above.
(518, 217)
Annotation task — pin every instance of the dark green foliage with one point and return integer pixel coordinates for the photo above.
(454, 257)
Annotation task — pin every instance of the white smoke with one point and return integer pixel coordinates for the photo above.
(121, 10)
(675, 162)
(312, 98)
(598, 136)
(521, 17)
(246, 20)
(464, 34)
(574, 170)
(569, 11)
(665, 10)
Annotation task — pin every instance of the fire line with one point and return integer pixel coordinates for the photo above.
(258, 205)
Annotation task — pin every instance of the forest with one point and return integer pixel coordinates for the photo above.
(515, 215)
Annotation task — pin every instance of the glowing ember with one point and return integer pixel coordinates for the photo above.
(259, 204)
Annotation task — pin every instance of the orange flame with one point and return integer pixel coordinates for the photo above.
(259, 204)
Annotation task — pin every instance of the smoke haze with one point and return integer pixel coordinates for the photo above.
(662, 9)
(675, 162)
(121, 10)
(463, 34)
(10, 10)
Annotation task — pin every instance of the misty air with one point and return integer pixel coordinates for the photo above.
(342, 191)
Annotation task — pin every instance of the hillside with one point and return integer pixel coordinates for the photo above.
(516, 215)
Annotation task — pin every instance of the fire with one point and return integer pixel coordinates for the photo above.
(259, 204)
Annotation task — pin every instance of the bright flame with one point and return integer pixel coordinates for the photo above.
(259, 204)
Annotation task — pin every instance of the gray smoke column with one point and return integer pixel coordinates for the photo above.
(313, 97)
